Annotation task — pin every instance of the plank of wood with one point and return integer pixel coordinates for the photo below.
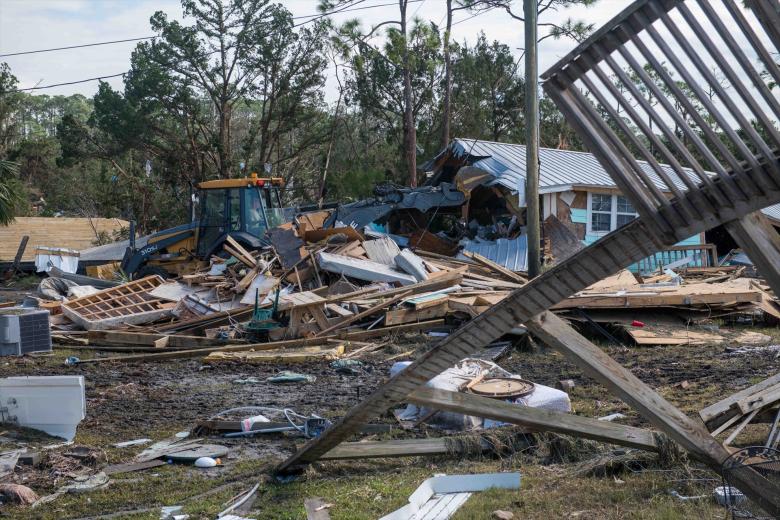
(393, 448)
(759, 400)
(761, 242)
(183, 354)
(498, 268)
(596, 363)
(442, 282)
(133, 339)
(645, 336)
(613, 252)
(491, 281)
(247, 256)
(238, 256)
(162, 342)
(535, 418)
(686, 295)
(663, 415)
(711, 412)
(741, 427)
(296, 355)
(18, 258)
(367, 312)
(404, 315)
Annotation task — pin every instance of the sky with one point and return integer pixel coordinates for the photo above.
(27, 25)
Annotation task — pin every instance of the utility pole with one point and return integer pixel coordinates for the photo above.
(532, 139)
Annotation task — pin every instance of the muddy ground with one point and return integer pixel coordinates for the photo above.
(157, 399)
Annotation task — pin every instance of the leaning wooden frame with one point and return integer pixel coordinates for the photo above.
(739, 175)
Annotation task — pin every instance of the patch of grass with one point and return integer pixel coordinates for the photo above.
(163, 486)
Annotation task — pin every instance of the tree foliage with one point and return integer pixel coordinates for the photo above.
(236, 86)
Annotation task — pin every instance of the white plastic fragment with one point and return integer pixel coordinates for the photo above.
(205, 462)
(134, 442)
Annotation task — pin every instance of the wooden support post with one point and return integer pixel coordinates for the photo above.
(760, 241)
(18, 258)
(663, 415)
(536, 418)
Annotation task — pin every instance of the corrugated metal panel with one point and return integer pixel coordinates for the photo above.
(512, 254)
(772, 212)
(557, 167)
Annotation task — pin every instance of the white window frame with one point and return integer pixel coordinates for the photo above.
(613, 214)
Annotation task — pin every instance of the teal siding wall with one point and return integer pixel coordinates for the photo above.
(579, 216)
(659, 258)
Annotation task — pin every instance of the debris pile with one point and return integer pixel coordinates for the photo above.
(313, 286)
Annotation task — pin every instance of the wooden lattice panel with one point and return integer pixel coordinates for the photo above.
(677, 97)
(126, 304)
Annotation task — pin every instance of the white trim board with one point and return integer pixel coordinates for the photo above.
(439, 497)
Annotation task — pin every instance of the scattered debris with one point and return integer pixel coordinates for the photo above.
(18, 494)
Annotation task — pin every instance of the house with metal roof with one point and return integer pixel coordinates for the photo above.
(574, 187)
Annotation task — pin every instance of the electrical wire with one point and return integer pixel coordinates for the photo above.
(313, 17)
(470, 17)
(66, 83)
(111, 42)
(76, 46)
(316, 17)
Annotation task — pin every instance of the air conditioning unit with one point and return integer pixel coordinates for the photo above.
(24, 330)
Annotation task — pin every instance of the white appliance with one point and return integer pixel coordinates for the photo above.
(53, 404)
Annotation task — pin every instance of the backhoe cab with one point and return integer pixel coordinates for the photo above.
(240, 208)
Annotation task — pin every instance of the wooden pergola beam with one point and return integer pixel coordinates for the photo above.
(690, 434)
(760, 241)
(536, 419)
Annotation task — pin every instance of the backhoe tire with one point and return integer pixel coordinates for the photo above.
(149, 270)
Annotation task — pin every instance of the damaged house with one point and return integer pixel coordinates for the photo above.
(574, 188)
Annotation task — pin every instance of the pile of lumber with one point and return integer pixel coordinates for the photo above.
(337, 281)
(674, 310)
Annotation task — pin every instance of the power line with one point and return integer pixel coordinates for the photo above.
(312, 16)
(76, 46)
(67, 83)
(418, 8)
(315, 17)
(469, 18)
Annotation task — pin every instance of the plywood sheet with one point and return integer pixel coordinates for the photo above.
(65, 232)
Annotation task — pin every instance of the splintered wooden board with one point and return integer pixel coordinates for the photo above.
(300, 355)
(301, 299)
(733, 291)
(675, 337)
(125, 304)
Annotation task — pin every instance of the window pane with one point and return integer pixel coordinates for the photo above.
(624, 219)
(255, 223)
(600, 202)
(600, 221)
(234, 205)
(624, 205)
